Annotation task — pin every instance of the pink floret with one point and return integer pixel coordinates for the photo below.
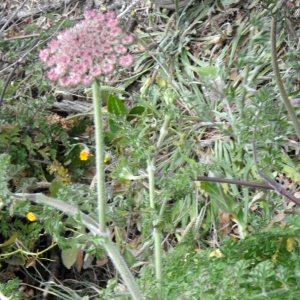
(90, 14)
(126, 61)
(44, 54)
(95, 71)
(107, 68)
(127, 40)
(52, 75)
(120, 49)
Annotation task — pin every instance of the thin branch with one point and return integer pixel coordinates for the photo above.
(6, 85)
(282, 91)
(278, 188)
(234, 181)
(223, 180)
(271, 184)
(12, 16)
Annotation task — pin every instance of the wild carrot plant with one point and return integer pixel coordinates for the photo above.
(78, 57)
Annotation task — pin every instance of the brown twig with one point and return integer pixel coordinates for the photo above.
(271, 184)
(278, 188)
(234, 181)
(224, 180)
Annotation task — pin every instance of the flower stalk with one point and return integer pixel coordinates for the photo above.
(99, 156)
(151, 161)
(156, 230)
(78, 57)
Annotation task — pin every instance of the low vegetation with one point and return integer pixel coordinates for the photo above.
(200, 160)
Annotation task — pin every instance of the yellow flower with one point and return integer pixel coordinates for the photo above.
(216, 253)
(291, 243)
(31, 217)
(107, 158)
(85, 154)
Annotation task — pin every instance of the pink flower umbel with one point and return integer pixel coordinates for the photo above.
(95, 46)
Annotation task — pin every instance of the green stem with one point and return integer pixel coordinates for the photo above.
(278, 79)
(156, 230)
(109, 246)
(99, 156)
(121, 266)
(151, 172)
(158, 261)
(66, 208)
(162, 210)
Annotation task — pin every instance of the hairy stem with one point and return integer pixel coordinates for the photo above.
(99, 156)
(64, 207)
(121, 266)
(109, 246)
(156, 231)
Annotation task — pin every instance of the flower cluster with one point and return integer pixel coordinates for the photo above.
(93, 47)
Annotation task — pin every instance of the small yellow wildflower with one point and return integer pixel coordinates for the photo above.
(31, 217)
(216, 253)
(107, 157)
(291, 243)
(85, 154)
